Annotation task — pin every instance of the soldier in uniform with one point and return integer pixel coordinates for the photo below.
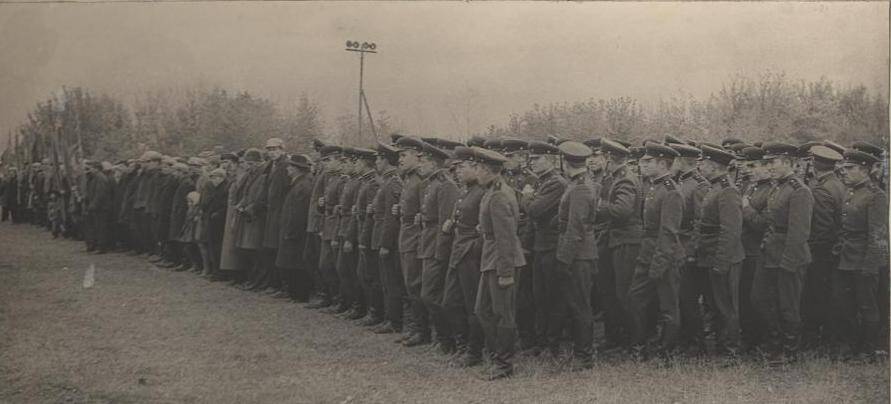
(367, 268)
(98, 203)
(719, 249)
(576, 257)
(694, 283)
(408, 210)
(330, 249)
(829, 198)
(863, 250)
(655, 276)
(501, 260)
(462, 278)
(777, 282)
(385, 238)
(437, 202)
(621, 209)
(542, 211)
(345, 236)
(755, 222)
(312, 251)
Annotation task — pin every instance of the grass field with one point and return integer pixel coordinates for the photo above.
(142, 334)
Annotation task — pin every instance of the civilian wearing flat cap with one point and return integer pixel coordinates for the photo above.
(437, 202)
(719, 249)
(576, 257)
(294, 271)
(463, 276)
(232, 260)
(385, 240)
(694, 282)
(863, 251)
(786, 254)
(214, 214)
(501, 259)
(409, 236)
(826, 222)
(278, 182)
(621, 209)
(542, 211)
(656, 275)
(252, 209)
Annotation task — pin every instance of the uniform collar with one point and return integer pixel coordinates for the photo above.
(861, 184)
(722, 177)
(663, 177)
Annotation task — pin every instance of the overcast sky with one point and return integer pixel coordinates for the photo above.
(443, 68)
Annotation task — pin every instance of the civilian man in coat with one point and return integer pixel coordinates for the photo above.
(293, 271)
(252, 212)
(213, 211)
(277, 184)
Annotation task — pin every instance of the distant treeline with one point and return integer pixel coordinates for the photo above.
(771, 107)
(76, 123)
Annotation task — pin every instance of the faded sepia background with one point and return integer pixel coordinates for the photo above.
(445, 69)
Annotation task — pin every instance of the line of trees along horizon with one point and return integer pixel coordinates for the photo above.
(76, 123)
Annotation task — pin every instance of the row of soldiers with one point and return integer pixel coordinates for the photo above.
(501, 244)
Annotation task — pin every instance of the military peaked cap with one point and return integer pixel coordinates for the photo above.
(574, 151)
(465, 153)
(825, 154)
(777, 149)
(717, 155)
(410, 143)
(655, 149)
(435, 152)
(860, 158)
(685, 150)
(476, 141)
(514, 145)
(489, 157)
(870, 148)
(328, 150)
(752, 153)
(539, 147)
(614, 147)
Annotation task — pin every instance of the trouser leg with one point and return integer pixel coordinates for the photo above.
(311, 260)
(545, 290)
(606, 291)
(327, 267)
(789, 293)
(814, 304)
(865, 288)
(526, 310)
(765, 297)
(725, 287)
(373, 283)
(496, 309)
(411, 269)
(691, 288)
(750, 322)
(624, 258)
(394, 288)
(575, 287)
(346, 273)
(432, 287)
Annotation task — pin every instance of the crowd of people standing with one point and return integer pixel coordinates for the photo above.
(490, 247)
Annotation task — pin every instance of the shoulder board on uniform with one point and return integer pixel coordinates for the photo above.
(700, 179)
(725, 182)
(795, 183)
(669, 184)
